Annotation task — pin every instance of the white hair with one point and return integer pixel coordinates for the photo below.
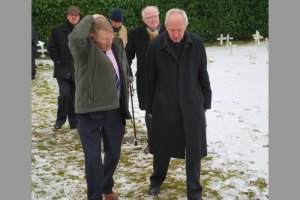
(179, 11)
(149, 7)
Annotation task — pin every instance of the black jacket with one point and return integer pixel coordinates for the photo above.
(138, 40)
(178, 91)
(59, 52)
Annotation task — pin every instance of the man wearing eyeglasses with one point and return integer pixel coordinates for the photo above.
(138, 40)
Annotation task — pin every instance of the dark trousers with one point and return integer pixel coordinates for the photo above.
(66, 102)
(160, 169)
(93, 128)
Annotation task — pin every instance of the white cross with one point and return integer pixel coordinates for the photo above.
(227, 40)
(42, 50)
(251, 57)
(257, 37)
(221, 38)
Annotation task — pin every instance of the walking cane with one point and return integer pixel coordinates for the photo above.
(132, 120)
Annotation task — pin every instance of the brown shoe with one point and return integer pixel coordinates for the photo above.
(146, 150)
(111, 196)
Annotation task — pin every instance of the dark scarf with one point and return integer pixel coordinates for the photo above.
(117, 29)
(178, 46)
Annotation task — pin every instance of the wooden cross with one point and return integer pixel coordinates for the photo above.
(42, 50)
(227, 40)
(221, 38)
(257, 37)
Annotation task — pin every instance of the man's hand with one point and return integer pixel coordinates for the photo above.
(130, 79)
(95, 16)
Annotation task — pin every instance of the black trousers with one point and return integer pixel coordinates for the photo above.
(106, 126)
(160, 169)
(66, 102)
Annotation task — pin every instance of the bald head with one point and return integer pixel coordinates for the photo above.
(176, 23)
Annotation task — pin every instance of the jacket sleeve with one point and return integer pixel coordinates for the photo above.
(130, 50)
(204, 78)
(79, 37)
(53, 46)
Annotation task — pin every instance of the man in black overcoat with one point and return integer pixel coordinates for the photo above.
(64, 68)
(138, 40)
(178, 95)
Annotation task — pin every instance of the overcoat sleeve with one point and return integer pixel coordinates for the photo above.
(204, 79)
(79, 37)
(150, 78)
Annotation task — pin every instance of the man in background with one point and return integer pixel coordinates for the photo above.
(64, 68)
(138, 40)
(116, 20)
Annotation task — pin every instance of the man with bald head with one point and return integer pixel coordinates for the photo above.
(178, 95)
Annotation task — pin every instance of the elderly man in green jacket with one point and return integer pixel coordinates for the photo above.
(101, 100)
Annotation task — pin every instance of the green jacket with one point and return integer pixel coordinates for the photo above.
(94, 72)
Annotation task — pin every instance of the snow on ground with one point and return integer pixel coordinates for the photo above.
(237, 135)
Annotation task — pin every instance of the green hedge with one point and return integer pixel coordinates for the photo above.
(207, 18)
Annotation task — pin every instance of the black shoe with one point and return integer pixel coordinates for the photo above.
(154, 190)
(57, 126)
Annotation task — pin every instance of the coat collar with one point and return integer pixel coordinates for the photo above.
(167, 46)
(145, 33)
(68, 27)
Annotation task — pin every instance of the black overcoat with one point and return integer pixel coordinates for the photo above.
(178, 91)
(59, 51)
(138, 40)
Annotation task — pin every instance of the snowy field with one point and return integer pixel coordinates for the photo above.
(237, 133)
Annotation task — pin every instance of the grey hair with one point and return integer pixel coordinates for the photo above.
(179, 11)
(147, 7)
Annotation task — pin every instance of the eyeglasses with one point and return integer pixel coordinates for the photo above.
(151, 17)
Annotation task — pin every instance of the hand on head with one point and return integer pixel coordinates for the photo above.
(95, 16)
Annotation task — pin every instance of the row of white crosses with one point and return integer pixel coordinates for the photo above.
(257, 37)
(227, 38)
